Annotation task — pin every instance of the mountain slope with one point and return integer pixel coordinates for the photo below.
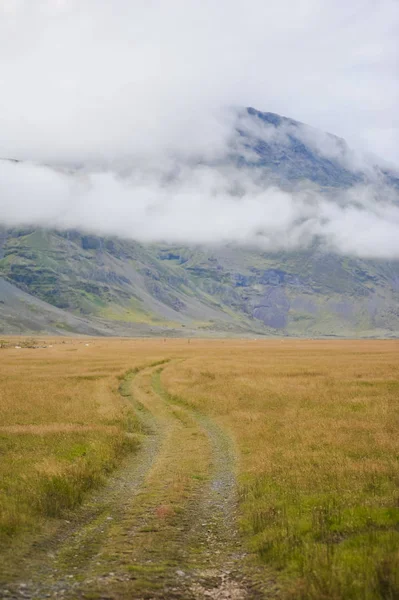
(70, 281)
(111, 281)
(123, 287)
(23, 313)
(291, 152)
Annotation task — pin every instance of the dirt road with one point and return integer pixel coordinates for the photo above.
(164, 526)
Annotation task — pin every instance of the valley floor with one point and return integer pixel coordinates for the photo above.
(199, 469)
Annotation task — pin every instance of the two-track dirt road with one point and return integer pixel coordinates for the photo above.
(164, 525)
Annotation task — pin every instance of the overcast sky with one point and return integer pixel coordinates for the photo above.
(149, 85)
(87, 78)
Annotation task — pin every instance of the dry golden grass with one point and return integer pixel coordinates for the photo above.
(63, 426)
(315, 425)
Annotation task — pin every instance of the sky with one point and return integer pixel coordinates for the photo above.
(93, 82)
(83, 77)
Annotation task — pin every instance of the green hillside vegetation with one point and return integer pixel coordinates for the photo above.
(120, 286)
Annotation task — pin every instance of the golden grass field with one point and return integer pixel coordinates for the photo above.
(313, 426)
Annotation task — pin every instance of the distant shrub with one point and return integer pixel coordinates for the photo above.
(28, 343)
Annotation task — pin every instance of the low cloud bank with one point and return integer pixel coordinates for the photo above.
(200, 204)
(132, 95)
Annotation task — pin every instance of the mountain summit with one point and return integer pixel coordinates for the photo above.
(295, 152)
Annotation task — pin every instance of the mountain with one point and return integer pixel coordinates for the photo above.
(74, 282)
(291, 152)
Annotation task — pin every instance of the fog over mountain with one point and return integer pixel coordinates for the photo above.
(138, 188)
(125, 118)
(276, 184)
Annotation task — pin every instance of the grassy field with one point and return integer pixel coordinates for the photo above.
(314, 427)
(64, 425)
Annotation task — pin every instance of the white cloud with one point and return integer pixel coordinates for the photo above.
(89, 79)
(140, 89)
(200, 205)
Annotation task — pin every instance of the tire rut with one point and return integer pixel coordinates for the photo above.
(59, 560)
(165, 526)
(146, 553)
(215, 555)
